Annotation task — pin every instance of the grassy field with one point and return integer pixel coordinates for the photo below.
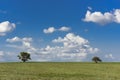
(59, 71)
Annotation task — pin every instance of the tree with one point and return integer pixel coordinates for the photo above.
(24, 56)
(96, 59)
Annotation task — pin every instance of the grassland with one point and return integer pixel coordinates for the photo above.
(59, 71)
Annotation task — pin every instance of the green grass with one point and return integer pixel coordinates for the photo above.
(59, 71)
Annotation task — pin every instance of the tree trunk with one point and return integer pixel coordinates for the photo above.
(96, 62)
(23, 60)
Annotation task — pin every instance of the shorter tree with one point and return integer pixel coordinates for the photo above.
(96, 59)
(24, 56)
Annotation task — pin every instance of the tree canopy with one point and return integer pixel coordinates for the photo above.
(24, 56)
(96, 59)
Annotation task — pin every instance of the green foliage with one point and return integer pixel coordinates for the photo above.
(24, 56)
(96, 59)
(59, 71)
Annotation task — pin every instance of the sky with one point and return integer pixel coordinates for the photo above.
(60, 30)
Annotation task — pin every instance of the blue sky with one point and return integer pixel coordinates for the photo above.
(60, 30)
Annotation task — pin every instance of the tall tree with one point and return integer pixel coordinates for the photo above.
(96, 59)
(24, 56)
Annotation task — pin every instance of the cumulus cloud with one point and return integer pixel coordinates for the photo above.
(103, 18)
(109, 56)
(6, 27)
(73, 48)
(69, 48)
(52, 29)
(49, 30)
(75, 42)
(117, 15)
(64, 28)
(26, 43)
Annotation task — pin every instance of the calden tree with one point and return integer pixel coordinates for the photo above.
(96, 59)
(24, 56)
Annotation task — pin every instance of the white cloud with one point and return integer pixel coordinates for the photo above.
(17, 39)
(8, 56)
(117, 15)
(6, 27)
(26, 43)
(98, 17)
(90, 8)
(103, 18)
(75, 42)
(64, 28)
(1, 53)
(74, 48)
(52, 29)
(49, 30)
(70, 48)
(109, 56)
